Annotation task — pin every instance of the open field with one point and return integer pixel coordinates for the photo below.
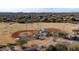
(7, 29)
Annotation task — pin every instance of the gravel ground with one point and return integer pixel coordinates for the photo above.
(6, 30)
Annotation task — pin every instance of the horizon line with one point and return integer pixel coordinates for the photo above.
(40, 10)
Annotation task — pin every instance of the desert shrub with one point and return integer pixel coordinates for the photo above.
(62, 34)
(20, 42)
(11, 44)
(1, 18)
(61, 47)
(73, 47)
(51, 48)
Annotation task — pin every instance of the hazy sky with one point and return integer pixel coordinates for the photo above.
(33, 6)
(39, 9)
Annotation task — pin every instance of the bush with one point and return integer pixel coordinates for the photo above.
(73, 47)
(62, 34)
(61, 47)
(51, 48)
(20, 42)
